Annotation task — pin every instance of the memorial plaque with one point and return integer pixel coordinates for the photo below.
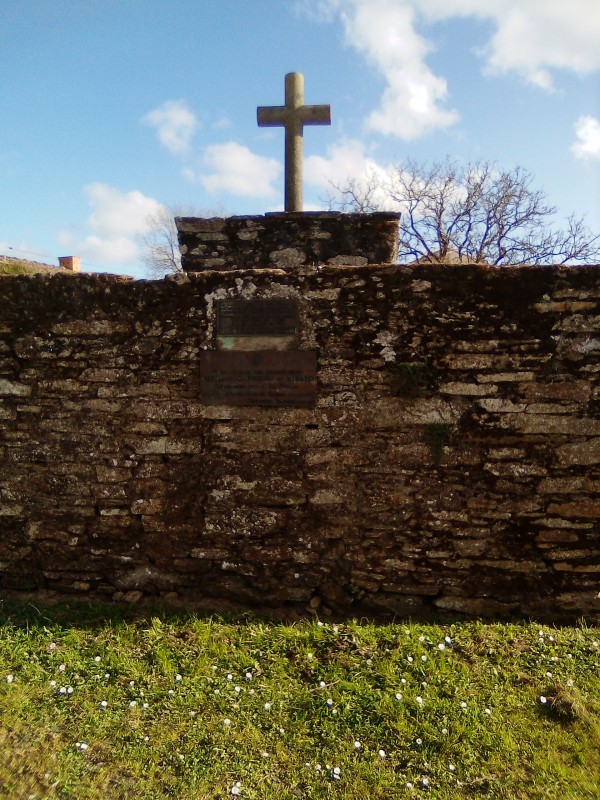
(268, 378)
(260, 317)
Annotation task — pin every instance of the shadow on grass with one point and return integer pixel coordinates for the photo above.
(34, 613)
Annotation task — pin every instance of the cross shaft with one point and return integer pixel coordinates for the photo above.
(293, 116)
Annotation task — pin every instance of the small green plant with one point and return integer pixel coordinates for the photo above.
(413, 379)
(563, 703)
(438, 436)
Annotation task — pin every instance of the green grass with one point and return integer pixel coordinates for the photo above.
(195, 704)
(13, 266)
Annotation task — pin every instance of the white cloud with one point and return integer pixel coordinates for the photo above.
(221, 123)
(317, 10)
(532, 38)
(117, 219)
(587, 130)
(116, 212)
(238, 171)
(346, 161)
(175, 125)
(100, 251)
(412, 103)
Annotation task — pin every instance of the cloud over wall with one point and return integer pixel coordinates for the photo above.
(235, 169)
(111, 230)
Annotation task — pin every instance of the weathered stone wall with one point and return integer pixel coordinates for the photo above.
(288, 240)
(452, 460)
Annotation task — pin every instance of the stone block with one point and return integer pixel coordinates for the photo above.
(148, 506)
(183, 446)
(546, 423)
(404, 605)
(471, 547)
(557, 536)
(565, 566)
(579, 323)
(348, 260)
(287, 258)
(477, 606)
(506, 377)
(579, 602)
(149, 446)
(468, 389)
(93, 327)
(326, 497)
(14, 388)
(583, 508)
(585, 453)
(560, 485)
(559, 307)
(511, 470)
(567, 555)
(499, 405)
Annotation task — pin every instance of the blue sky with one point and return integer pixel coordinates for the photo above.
(113, 108)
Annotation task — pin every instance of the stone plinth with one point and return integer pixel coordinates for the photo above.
(287, 240)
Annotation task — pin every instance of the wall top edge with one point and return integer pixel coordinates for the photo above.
(340, 269)
(283, 215)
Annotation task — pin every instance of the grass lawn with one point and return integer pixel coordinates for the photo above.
(105, 703)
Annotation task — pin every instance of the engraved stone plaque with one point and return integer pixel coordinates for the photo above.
(270, 378)
(260, 317)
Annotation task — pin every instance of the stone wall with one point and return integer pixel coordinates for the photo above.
(451, 461)
(288, 240)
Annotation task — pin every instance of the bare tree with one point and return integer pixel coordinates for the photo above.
(476, 213)
(159, 243)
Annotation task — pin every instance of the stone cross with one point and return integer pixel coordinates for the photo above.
(293, 116)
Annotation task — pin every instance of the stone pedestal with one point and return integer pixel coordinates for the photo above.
(287, 240)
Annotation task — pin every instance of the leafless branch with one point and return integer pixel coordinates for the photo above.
(474, 213)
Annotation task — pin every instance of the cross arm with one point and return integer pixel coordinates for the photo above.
(268, 116)
(315, 115)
